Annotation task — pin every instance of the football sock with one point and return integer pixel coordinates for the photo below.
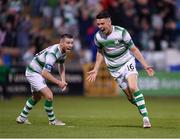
(29, 104)
(140, 103)
(49, 109)
(133, 101)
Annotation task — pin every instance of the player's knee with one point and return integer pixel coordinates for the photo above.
(49, 97)
(48, 94)
(133, 89)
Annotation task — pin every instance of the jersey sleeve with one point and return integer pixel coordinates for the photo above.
(50, 61)
(127, 39)
(98, 44)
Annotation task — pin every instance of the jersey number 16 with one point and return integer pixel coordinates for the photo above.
(130, 67)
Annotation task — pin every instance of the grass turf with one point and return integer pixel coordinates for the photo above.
(93, 117)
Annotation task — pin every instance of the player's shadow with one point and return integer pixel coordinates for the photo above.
(136, 126)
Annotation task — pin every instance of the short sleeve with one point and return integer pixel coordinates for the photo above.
(98, 44)
(50, 61)
(127, 39)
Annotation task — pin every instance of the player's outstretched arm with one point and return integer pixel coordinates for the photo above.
(140, 58)
(150, 71)
(93, 73)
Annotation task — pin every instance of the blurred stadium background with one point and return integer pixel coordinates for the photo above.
(28, 26)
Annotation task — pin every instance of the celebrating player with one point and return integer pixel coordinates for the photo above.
(39, 70)
(115, 44)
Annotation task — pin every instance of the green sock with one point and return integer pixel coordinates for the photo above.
(49, 109)
(140, 103)
(29, 104)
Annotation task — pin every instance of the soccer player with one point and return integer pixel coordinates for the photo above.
(39, 70)
(116, 47)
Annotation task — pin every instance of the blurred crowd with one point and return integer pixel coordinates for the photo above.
(153, 24)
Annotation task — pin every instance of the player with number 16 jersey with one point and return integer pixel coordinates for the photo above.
(116, 47)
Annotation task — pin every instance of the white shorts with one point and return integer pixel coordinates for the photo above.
(36, 81)
(122, 74)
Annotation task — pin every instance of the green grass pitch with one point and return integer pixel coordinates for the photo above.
(93, 117)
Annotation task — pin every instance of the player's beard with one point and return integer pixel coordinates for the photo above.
(103, 30)
(68, 49)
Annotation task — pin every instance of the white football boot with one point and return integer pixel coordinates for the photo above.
(146, 122)
(21, 120)
(57, 123)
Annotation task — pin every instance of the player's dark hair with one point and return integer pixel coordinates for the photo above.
(103, 14)
(63, 36)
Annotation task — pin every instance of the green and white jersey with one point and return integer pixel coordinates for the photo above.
(46, 59)
(115, 47)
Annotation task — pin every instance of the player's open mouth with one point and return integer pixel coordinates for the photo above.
(102, 29)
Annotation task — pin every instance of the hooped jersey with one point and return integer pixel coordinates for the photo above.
(46, 59)
(115, 47)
